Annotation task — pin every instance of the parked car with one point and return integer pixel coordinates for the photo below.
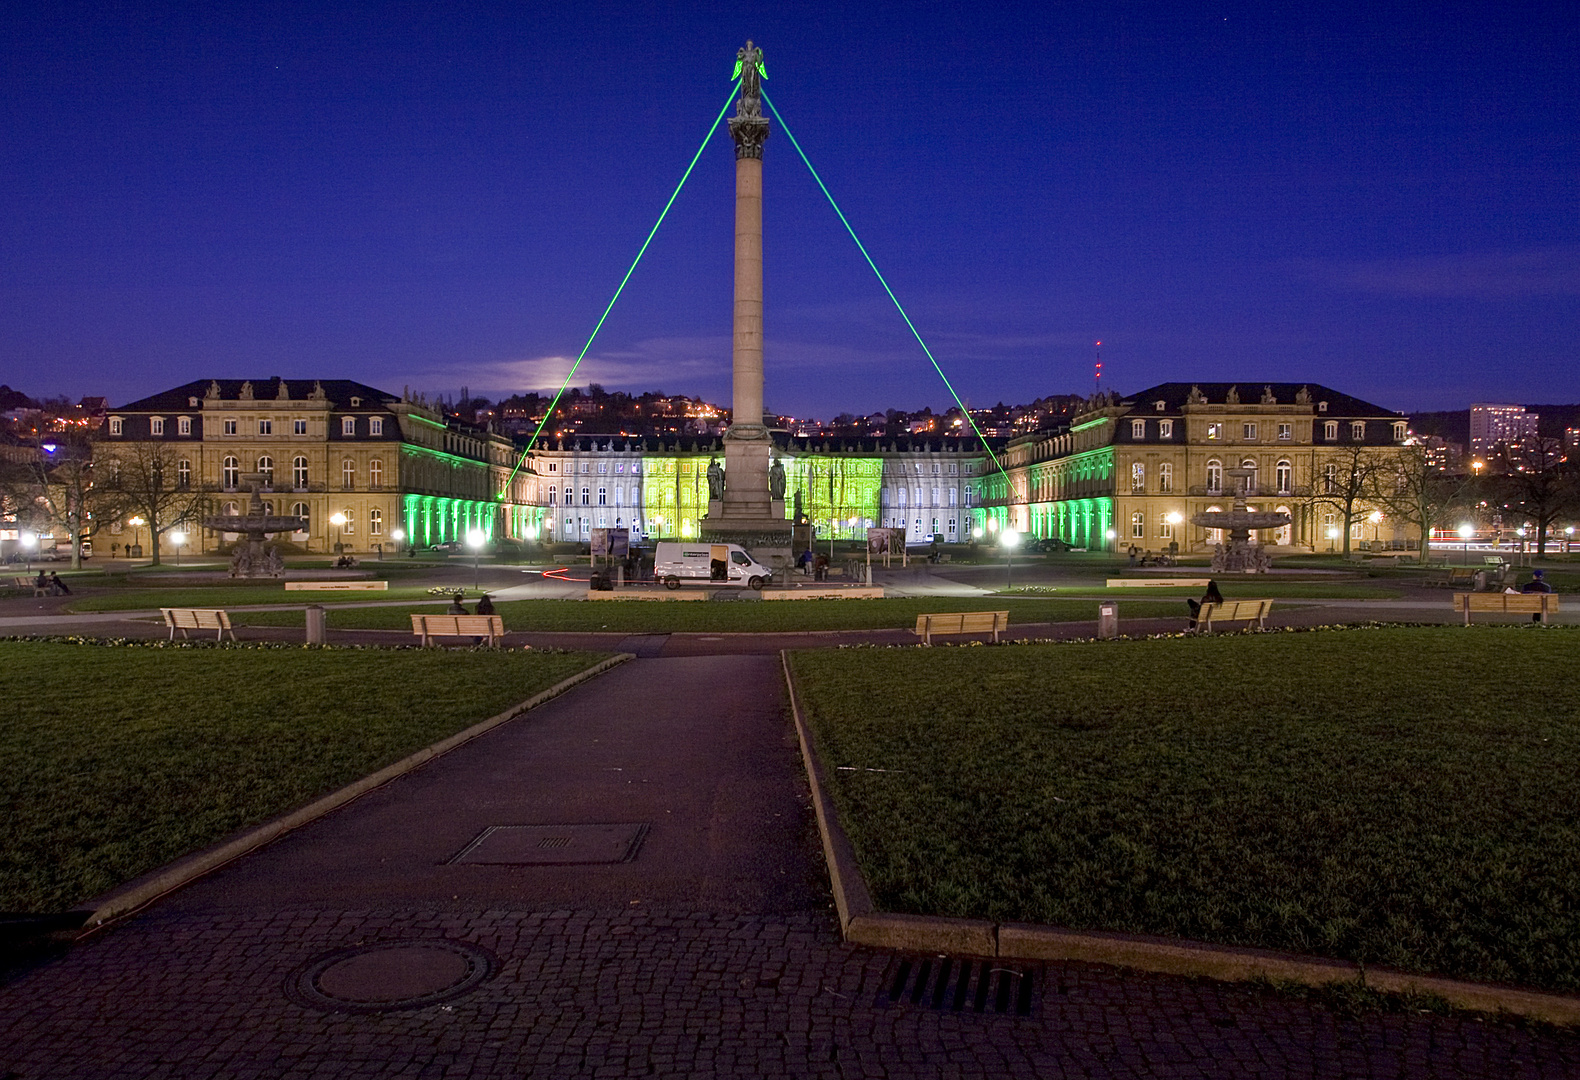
(447, 545)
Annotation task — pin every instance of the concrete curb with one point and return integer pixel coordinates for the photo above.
(862, 924)
(142, 891)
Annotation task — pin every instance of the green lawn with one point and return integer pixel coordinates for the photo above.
(1237, 588)
(657, 617)
(116, 759)
(1399, 796)
(143, 598)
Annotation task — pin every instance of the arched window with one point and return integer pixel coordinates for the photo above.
(554, 494)
(375, 523)
(232, 474)
(1250, 481)
(376, 472)
(230, 509)
(1284, 473)
(266, 467)
(299, 473)
(1138, 525)
(1215, 476)
(1214, 536)
(1284, 533)
(300, 510)
(348, 474)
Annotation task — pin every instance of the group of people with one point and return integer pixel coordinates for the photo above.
(485, 605)
(52, 582)
(1146, 558)
(815, 565)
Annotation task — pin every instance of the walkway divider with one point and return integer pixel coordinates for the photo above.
(862, 923)
(132, 896)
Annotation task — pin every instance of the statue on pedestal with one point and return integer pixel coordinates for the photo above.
(776, 480)
(715, 480)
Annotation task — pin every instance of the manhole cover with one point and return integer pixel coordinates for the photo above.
(389, 976)
(960, 985)
(553, 845)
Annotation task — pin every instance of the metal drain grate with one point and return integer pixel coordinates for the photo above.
(953, 985)
(554, 841)
(553, 845)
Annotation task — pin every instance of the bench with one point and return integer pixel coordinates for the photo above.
(429, 627)
(1462, 576)
(184, 619)
(961, 622)
(30, 583)
(1542, 604)
(1233, 611)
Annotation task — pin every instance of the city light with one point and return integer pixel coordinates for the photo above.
(177, 539)
(474, 540)
(1175, 518)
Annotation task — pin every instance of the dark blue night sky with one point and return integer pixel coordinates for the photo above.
(1383, 199)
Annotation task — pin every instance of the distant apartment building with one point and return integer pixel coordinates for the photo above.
(1571, 438)
(1493, 425)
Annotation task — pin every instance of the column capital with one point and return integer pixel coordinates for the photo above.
(749, 127)
(749, 133)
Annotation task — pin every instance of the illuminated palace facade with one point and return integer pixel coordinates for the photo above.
(396, 471)
(1133, 471)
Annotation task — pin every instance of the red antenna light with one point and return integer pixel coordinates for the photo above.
(1097, 376)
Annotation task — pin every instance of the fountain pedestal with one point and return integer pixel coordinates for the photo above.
(253, 556)
(1240, 555)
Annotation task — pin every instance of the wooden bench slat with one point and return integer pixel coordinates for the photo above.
(1233, 611)
(1543, 604)
(184, 619)
(961, 622)
(429, 627)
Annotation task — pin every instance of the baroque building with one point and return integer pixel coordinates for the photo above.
(1133, 470)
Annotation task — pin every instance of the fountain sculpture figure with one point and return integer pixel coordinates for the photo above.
(253, 557)
(1240, 555)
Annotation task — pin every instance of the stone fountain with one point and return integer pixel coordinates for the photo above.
(1240, 556)
(253, 557)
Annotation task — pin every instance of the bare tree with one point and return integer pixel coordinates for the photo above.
(1345, 481)
(1417, 493)
(150, 482)
(58, 488)
(1539, 481)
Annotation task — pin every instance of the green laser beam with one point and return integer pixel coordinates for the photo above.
(571, 374)
(898, 306)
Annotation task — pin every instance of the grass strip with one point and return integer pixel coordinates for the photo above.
(1394, 796)
(739, 616)
(1233, 589)
(227, 596)
(116, 759)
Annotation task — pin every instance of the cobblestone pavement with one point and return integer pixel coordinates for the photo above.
(658, 993)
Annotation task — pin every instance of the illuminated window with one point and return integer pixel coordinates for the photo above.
(375, 522)
(348, 474)
(184, 473)
(1165, 527)
(156, 425)
(376, 472)
(1330, 479)
(299, 473)
(1214, 476)
(266, 467)
(954, 495)
(1285, 432)
(184, 425)
(1166, 477)
(1138, 477)
(265, 427)
(1214, 431)
(349, 527)
(1165, 429)
(298, 427)
(1399, 431)
(1138, 525)
(1284, 473)
(348, 425)
(115, 425)
(232, 473)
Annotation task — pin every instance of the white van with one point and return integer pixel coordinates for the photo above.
(675, 562)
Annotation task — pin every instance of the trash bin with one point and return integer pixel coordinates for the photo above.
(315, 624)
(1108, 619)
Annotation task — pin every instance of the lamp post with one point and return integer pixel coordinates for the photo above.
(1333, 535)
(397, 535)
(27, 540)
(178, 538)
(1009, 539)
(136, 523)
(1466, 531)
(337, 519)
(474, 540)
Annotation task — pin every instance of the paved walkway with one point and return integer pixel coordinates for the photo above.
(712, 953)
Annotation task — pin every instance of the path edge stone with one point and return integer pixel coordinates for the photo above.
(138, 893)
(861, 923)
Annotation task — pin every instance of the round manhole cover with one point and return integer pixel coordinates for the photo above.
(390, 975)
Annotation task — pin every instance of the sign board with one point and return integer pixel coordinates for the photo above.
(883, 541)
(611, 542)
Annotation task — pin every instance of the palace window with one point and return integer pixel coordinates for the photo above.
(1165, 429)
(586, 497)
(1250, 481)
(266, 467)
(1214, 431)
(1286, 432)
(156, 425)
(299, 473)
(230, 427)
(1138, 429)
(298, 427)
(232, 473)
(348, 425)
(1248, 432)
(184, 473)
(1166, 477)
(184, 425)
(1138, 525)
(1284, 473)
(375, 522)
(1214, 476)
(1330, 479)
(115, 425)
(1165, 527)
(1138, 477)
(348, 474)
(1330, 430)
(350, 526)
(603, 496)
(375, 427)
(554, 493)
(376, 472)
(1357, 430)
(265, 427)
(1399, 431)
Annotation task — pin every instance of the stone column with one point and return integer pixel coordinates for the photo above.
(747, 346)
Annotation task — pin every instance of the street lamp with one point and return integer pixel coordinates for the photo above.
(136, 523)
(1466, 531)
(178, 538)
(1010, 539)
(397, 535)
(1333, 536)
(474, 540)
(337, 519)
(27, 540)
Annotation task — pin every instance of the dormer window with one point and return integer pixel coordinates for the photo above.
(1357, 429)
(1138, 429)
(115, 425)
(192, 402)
(376, 425)
(356, 402)
(1159, 405)
(183, 425)
(1330, 430)
(1165, 429)
(156, 425)
(348, 425)
(1322, 406)
(1399, 431)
